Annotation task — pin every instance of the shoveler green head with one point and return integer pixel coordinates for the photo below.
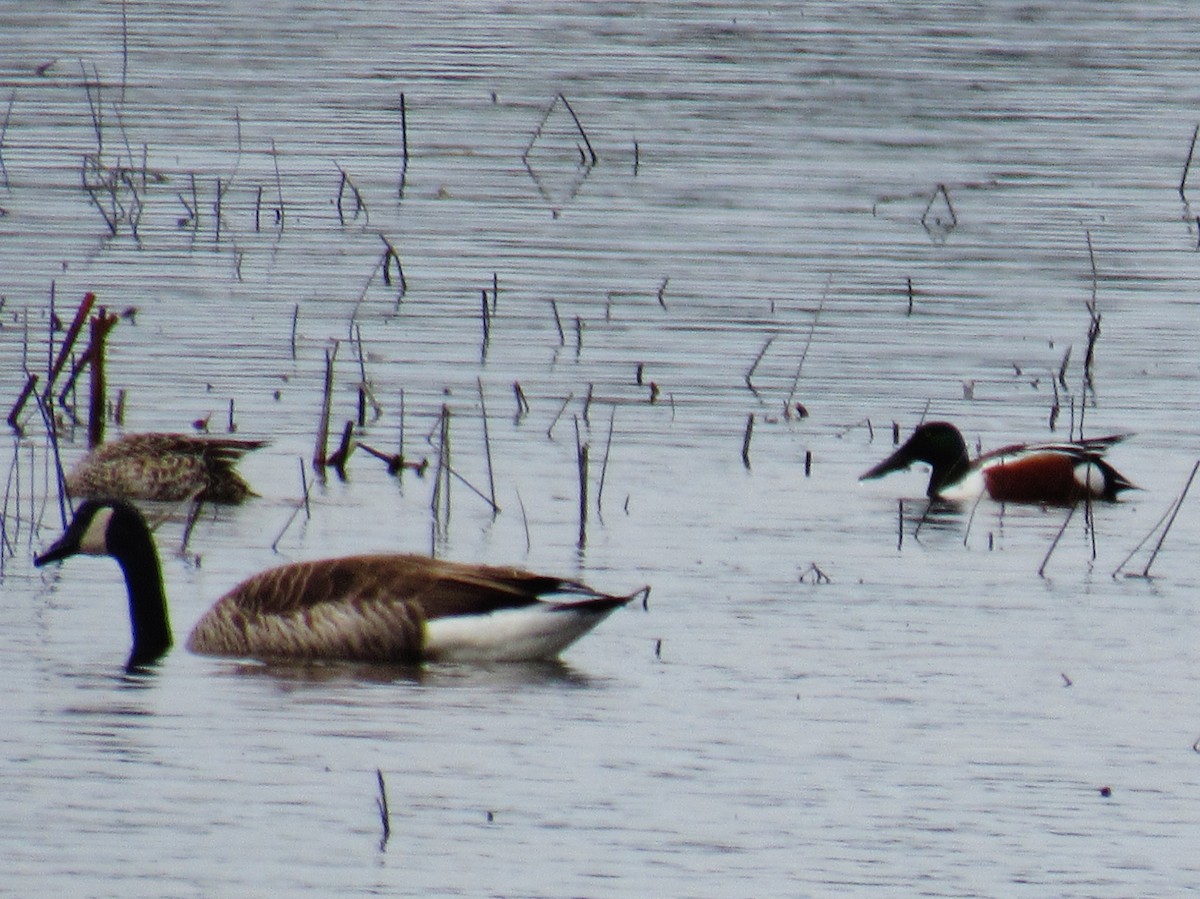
(1050, 473)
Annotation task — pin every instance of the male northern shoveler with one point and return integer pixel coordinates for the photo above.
(395, 609)
(159, 466)
(1051, 473)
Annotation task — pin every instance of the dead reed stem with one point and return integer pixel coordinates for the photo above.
(749, 376)
(12, 97)
(1187, 163)
(390, 258)
(302, 504)
(1054, 543)
(746, 440)
(102, 323)
(581, 455)
(279, 210)
(612, 417)
(522, 402)
(485, 318)
(562, 339)
(812, 327)
(319, 450)
(68, 344)
(558, 415)
(384, 816)
(440, 501)
(1169, 517)
(346, 185)
(487, 447)
(342, 454)
(403, 148)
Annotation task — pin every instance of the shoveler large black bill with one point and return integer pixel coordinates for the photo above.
(895, 462)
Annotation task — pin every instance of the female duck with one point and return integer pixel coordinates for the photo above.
(170, 467)
(1050, 473)
(398, 609)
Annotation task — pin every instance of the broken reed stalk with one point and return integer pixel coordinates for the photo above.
(1054, 543)
(302, 504)
(612, 416)
(522, 402)
(812, 327)
(342, 454)
(295, 322)
(1187, 163)
(384, 817)
(662, 291)
(390, 257)
(68, 344)
(360, 205)
(583, 134)
(102, 323)
(319, 457)
(562, 339)
(581, 457)
(440, 501)
(64, 352)
(1169, 517)
(487, 447)
(12, 97)
(279, 211)
(746, 440)
(754, 365)
(403, 148)
(485, 318)
(558, 415)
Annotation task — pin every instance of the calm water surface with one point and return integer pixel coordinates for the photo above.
(918, 714)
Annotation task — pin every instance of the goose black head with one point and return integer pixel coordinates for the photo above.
(96, 530)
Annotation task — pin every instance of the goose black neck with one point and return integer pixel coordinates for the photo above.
(130, 543)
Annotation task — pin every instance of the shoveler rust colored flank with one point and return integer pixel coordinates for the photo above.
(1049, 473)
(386, 608)
(168, 467)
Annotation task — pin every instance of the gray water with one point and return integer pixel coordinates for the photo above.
(925, 716)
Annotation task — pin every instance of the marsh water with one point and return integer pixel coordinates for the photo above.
(821, 218)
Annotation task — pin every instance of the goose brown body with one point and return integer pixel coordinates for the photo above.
(167, 467)
(370, 608)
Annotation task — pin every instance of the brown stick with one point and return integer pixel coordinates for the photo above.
(102, 323)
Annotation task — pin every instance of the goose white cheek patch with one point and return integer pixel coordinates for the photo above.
(94, 541)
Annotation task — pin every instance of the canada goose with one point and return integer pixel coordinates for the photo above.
(400, 609)
(169, 467)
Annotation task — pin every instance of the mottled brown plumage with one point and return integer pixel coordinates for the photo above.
(168, 467)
